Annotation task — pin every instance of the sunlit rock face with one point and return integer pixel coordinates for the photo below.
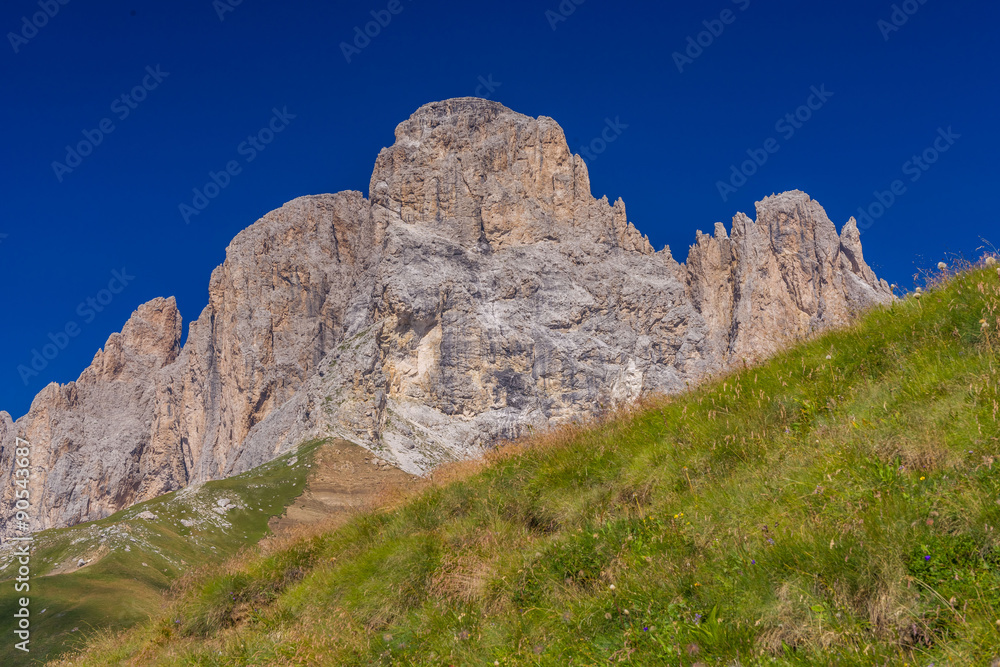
(479, 292)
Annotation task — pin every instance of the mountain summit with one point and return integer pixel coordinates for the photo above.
(478, 292)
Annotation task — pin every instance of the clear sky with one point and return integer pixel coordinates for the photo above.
(182, 85)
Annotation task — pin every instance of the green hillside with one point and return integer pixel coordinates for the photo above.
(133, 556)
(835, 506)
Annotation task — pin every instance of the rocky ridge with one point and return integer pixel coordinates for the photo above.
(480, 291)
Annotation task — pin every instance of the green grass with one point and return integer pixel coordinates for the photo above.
(141, 558)
(837, 505)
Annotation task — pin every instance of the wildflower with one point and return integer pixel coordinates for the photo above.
(991, 261)
(927, 557)
(942, 266)
(983, 324)
(753, 562)
(612, 587)
(922, 479)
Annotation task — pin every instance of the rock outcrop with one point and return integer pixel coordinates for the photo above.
(479, 292)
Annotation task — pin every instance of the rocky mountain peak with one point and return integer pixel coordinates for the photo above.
(486, 176)
(479, 293)
(149, 341)
(473, 110)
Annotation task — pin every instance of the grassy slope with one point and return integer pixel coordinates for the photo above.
(117, 590)
(836, 506)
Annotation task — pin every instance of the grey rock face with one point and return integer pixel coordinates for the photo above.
(93, 451)
(479, 292)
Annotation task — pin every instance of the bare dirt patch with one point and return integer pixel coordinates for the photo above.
(344, 479)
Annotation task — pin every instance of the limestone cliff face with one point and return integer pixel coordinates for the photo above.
(292, 287)
(93, 452)
(778, 278)
(479, 292)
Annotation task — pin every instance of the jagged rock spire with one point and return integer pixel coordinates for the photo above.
(479, 291)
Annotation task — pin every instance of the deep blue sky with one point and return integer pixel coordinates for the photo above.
(607, 60)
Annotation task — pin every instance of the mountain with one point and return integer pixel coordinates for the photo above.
(478, 293)
(834, 505)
